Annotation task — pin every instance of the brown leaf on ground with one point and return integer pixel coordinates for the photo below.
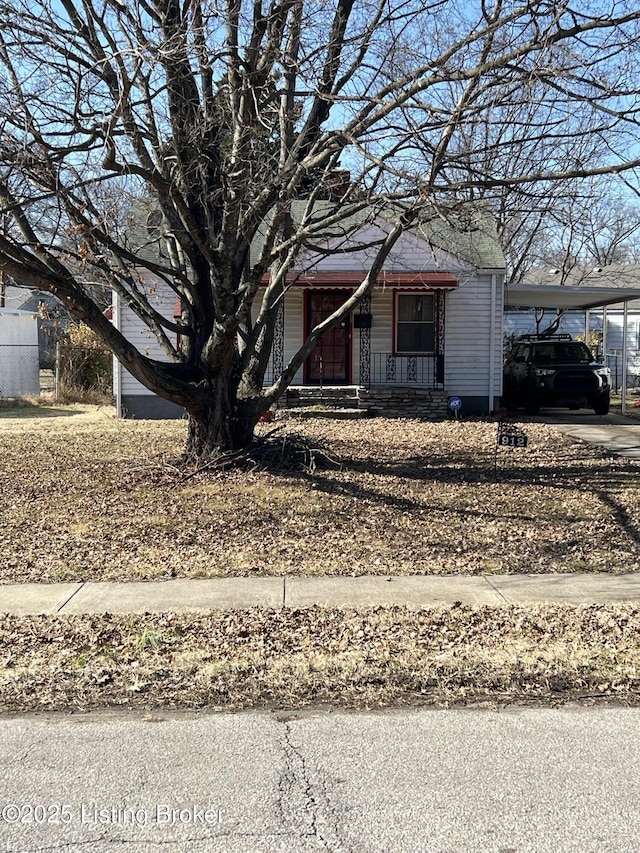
(101, 499)
(291, 658)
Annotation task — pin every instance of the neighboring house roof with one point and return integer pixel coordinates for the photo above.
(16, 297)
(566, 297)
(613, 275)
(583, 288)
(16, 312)
(27, 299)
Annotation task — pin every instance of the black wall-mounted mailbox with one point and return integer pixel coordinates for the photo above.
(362, 321)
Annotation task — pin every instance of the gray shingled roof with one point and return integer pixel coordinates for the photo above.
(621, 276)
(469, 234)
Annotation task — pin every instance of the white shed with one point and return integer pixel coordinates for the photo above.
(19, 353)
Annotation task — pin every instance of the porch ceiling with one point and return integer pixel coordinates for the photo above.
(566, 296)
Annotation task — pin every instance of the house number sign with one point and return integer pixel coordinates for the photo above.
(510, 436)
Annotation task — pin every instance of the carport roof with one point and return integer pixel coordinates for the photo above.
(566, 296)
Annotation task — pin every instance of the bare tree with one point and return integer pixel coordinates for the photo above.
(590, 225)
(214, 119)
(564, 223)
(605, 227)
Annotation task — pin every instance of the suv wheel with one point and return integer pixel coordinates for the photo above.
(532, 408)
(602, 406)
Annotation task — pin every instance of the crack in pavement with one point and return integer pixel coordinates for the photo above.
(303, 803)
(18, 759)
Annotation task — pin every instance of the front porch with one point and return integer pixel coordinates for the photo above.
(415, 371)
(395, 337)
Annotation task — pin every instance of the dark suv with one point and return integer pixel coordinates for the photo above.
(554, 371)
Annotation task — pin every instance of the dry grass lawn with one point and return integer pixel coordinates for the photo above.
(84, 496)
(292, 658)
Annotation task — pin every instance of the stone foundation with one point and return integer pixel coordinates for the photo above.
(403, 402)
(392, 401)
(341, 396)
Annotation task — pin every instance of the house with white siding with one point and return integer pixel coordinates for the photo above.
(431, 329)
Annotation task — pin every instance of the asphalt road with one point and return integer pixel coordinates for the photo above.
(509, 781)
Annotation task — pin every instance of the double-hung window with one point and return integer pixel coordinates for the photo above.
(415, 323)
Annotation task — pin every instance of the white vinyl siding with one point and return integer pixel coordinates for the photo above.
(615, 326)
(133, 328)
(410, 254)
(293, 319)
(468, 338)
(293, 328)
(573, 323)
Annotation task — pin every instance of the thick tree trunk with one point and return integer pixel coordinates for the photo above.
(221, 421)
(221, 425)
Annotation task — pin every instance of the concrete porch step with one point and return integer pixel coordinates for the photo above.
(335, 397)
(336, 413)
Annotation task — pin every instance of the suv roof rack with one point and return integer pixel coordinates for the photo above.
(561, 337)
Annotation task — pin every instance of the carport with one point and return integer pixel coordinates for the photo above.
(580, 298)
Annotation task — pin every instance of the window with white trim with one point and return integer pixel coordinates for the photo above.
(415, 323)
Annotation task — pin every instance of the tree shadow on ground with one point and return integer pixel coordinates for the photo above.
(357, 491)
(16, 412)
(596, 473)
(621, 514)
(475, 468)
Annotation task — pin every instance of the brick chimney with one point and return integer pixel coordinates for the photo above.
(338, 183)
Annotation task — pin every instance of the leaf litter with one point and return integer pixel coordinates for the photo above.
(107, 500)
(378, 657)
(103, 499)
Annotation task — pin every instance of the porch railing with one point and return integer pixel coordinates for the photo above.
(421, 371)
(426, 371)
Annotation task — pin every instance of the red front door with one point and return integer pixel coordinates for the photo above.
(329, 363)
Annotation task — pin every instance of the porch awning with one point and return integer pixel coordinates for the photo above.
(566, 296)
(406, 280)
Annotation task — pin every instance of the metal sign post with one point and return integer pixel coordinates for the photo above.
(509, 435)
(454, 404)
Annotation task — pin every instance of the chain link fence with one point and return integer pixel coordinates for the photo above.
(19, 370)
(74, 371)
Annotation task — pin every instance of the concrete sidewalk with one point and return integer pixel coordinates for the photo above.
(620, 439)
(413, 591)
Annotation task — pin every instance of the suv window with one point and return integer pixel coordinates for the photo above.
(570, 352)
(544, 354)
